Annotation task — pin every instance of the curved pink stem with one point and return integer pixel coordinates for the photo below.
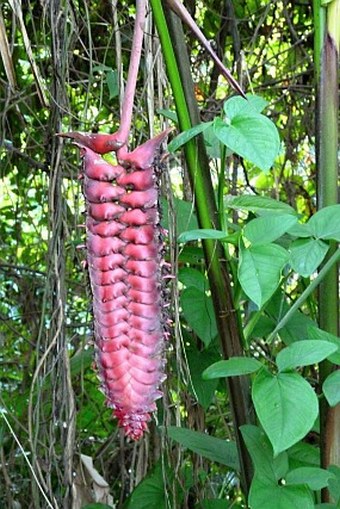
(136, 51)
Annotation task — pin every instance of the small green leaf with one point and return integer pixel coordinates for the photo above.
(238, 105)
(259, 271)
(266, 229)
(101, 68)
(199, 313)
(304, 455)
(150, 492)
(193, 277)
(215, 449)
(235, 366)
(184, 213)
(185, 136)
(201, 234)
(212, 144)
(215, 503)
(267, 496)
(112, 83)
(331, 388)
(258, 204)
(80, 361)
(251, 136)
(170, 114)
(261, 452)
(257, 102)
(286, 406)
(203, 390)
(325, 224)
(314, 332)
(300, 230)
(193, 255)
(304, 353)
(314, 478)
(306, 255)
(334, 484)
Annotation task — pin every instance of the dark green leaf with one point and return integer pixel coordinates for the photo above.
(266, 229)
(199, 313)
(259, 204)
(112, 83)
(325, 224)
(215, 449)
(304, 353)
(331, 388)
(306, 255)
(314, 332)
(235, 366)
(259, 271)
(170, 114)
(201, 234)
(193, 255)
(300, 230)
(261, 452)
(237, 105)
(215, 503)
(252, 136)
(263, 495)
(212, 144)
(203, 390)
(334, 484)
(286, 406)
(184, 214)
(150, 493)
(303, 455)
(185, 136)
(297, 326)
(314, 478)
(81, 361)
(193, 277)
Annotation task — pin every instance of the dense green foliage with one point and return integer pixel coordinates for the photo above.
(62, 69)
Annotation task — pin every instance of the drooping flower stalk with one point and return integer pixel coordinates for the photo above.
(178, 7)
(102, 143)
(124, 255)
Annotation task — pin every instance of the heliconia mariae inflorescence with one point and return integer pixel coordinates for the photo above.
(124, 257)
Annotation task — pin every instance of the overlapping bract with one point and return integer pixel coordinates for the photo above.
(125, 263)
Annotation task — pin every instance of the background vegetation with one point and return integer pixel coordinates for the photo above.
(62, 66)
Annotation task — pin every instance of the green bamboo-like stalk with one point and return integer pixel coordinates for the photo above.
(199, 172)
(327, 42)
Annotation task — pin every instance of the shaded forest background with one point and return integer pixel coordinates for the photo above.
(63, 63)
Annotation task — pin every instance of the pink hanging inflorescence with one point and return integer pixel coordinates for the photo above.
(124, 254)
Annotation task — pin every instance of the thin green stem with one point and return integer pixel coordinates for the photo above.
(220, 189)
(335, 258)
